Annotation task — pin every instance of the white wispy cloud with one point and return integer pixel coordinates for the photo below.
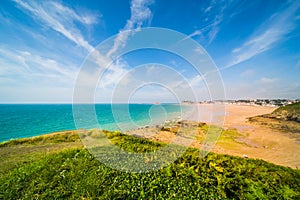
(208, 8)
(70, 15)
(62, 19)
(40, 68)
(15, 63)
(267, 36)
(268, 80)
(140, 14)
(114, 74)
(215, 26)
(59, 18)
(193, 34)
(109, 70)
(214, 13)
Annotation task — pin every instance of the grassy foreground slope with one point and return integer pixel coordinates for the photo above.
(71, 172)
(19, 152)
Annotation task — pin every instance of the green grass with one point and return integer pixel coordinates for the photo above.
(16, 153)
(285, 119)
(67, 136)
(289, 112)
(291, 108)
(74, 173)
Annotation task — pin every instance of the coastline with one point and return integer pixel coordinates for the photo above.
(253, 141)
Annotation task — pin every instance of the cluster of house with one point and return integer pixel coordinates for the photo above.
(261, 102)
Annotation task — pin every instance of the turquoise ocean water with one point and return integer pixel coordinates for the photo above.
(27, 120)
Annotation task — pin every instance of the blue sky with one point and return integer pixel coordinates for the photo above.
(43, 44)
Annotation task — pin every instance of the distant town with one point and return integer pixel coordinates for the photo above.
(260, 102)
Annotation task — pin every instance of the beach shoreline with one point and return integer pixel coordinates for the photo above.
(228, 115)
(253, 141)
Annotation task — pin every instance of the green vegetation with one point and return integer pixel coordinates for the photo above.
(70, 171)
(16, 153)
(285, 119)
(289, 112)
(295, 107)
(67, 136)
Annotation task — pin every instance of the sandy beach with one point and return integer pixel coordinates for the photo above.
(257, 141)
(226, 115)
(254, 141)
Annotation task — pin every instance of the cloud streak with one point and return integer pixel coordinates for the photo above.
(62, 19)
(268, 80)
(267, 36)
(140, 14)
(29, 66)
(59, 18)
(215, 16)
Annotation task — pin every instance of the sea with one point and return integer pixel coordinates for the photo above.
(27, 120)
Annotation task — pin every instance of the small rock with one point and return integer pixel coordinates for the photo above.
(245, 156)
(200, 124)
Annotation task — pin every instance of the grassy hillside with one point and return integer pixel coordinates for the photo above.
(285, 119)
(289, 112)
(69, 171)
(16, 153)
